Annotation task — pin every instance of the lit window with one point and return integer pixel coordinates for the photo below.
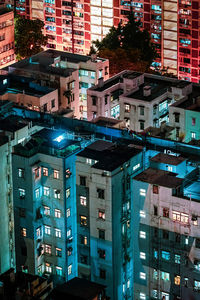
(169, 168)
(165, 255)
(57, 213)
(101, 214)
(128, 283)
(195, 220)
(37, 172)
(38, 232)
(57, 232)
(142, 234)
(155, 253)
(142, 275)
(68, 212)
(193, 121)
(83, 200)
(45, 172)
(177, 258)
(165, 276)
(56, 194)
(48, 268)
(46, 191)
(55, 174)
(177, 280)
(21, 193)
(154, 294)
(83, 220)
(58, 271)
(46, 211)
(136, 167)
(23, 232)
(69, 270)
(127, 107)
(59, 252)
(68, 173)
(142, 214)
(142, 192)
(69, 232)
(165, 296)
(155, 274)
(5, 81)
(68, 193)
(84, 240)
(142, 296)
(196, 285)
(47, 249)
(88, 161)
(39, 270)
(180, 217)
(193, 135)
(142, 255)
(166, 212)
(21, 173)
(186, 241)
(47, 229)
(37, 193)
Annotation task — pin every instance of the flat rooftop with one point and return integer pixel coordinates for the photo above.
(168, 159)
(42, 62)
(159, 177)
(109, 156)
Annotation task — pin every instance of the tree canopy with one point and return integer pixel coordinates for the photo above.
(127, 47)
(29, 38)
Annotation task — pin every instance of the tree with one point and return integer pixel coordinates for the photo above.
(127, 47)
(29, 38)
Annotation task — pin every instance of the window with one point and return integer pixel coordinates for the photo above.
(141, 110)
(22, 212)
(177, 238)
(57, 213)
(186, 241)
(169, 168)
(185, 282)
(69, 232)
(142, 296)
(84, 259)
(127, 107)
(142, 255)
(37, 193)
(58, 271)
(46, 191)
(165, 234)
(47, 249)
(68, 212)
(55, 174)
(102, 253)
(195, 220)
(101, 214)
(47, 229)
(166, 212)
(83, 200)
(154, 294)
(180, 217)
(100, 193)
(155, 253)
(46, 211)
(165, 276)
(23, 232)
(142, 275)
(165, 255)
(94, 100)
(57, 232)
(177, 258)
(141, 125)
(155, 210)
(83, 180)
(102, 234)
(53, 103)
(38, 232)
(142, 214)
(21, 173)
(56, 194)
(176, 117)
(102, 273)
(21, 193)
(68, 193)
(177, 280)
(136, 167)
(142, 234)
(155, 189)
(142, 192)
(37, 172)
(155, 274)
(193, 135)
(68, 173)
(48, 268)
(45, 171)
(88, 161)
(84, 240)
(59, 252)
(69, 270)
(193, 121)
(83, 220)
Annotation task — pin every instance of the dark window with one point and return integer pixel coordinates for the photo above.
(106, 99)
(84, 259)
(102, 234)
(141, 125)
(45, 107)
(165, 234)
(155, 210)
(53, 103)
(102, 273)
(94, 100)
(22, 212)
(177, 238)
(83, 180)
(24, 251)
(155, 232)
(102, 253)
(166, 212)
(155, 189)
(197, 243)
(100, 193)
(176, 117)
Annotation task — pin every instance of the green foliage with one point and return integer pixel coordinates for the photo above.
(135, 45)
(29, 38)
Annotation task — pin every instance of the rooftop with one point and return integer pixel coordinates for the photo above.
(109, 155)
(77, 289)
(168, 159)
(159, 177)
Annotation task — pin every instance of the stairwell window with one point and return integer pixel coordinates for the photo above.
(142, 275)
(21, 173)
(142, 234)
(142, 214)
(142, 192)
(142, 255)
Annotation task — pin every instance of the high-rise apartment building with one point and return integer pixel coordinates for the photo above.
(6, 37)
(173, 25)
